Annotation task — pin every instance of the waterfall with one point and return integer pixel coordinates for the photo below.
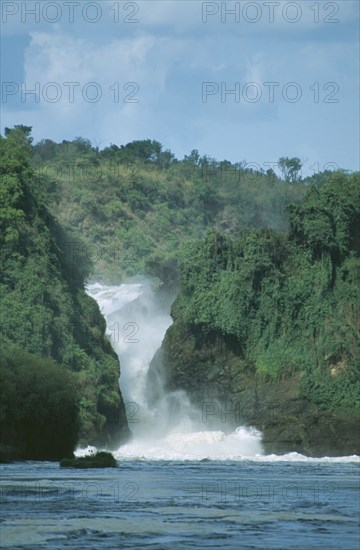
(168, 426)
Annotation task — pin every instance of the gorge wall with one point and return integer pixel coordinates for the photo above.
(266, 326)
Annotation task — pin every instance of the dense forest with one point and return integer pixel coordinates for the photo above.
(59, 374)
(290, 299)
(266, 265)
(136, 206)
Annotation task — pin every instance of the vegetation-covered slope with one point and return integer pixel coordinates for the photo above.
(266, 308)
(45, 311)
(136, 205)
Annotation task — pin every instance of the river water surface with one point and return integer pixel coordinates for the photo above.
(274, 502)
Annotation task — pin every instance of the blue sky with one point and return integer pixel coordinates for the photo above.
(116, 71)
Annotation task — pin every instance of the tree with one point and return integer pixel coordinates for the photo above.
(194, 157)
(290, 168)
(25, 130)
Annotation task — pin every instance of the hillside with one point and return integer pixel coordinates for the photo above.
(269, 321)
(59, 373)
(136, 205)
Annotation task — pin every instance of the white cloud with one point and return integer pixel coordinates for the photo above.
(169, 53)
(123, 70)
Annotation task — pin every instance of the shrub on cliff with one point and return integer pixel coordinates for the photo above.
(39, 406)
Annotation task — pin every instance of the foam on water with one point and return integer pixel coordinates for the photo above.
(213, 445)
(181, 447)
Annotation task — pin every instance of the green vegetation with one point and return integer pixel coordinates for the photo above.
(136, 205)
(39, 406)
(99, 460)
(289, 300)
(44, 309)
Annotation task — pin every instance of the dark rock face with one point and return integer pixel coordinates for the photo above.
(210, 369)
(115, 431)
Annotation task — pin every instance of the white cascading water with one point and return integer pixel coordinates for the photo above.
(171, 428)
